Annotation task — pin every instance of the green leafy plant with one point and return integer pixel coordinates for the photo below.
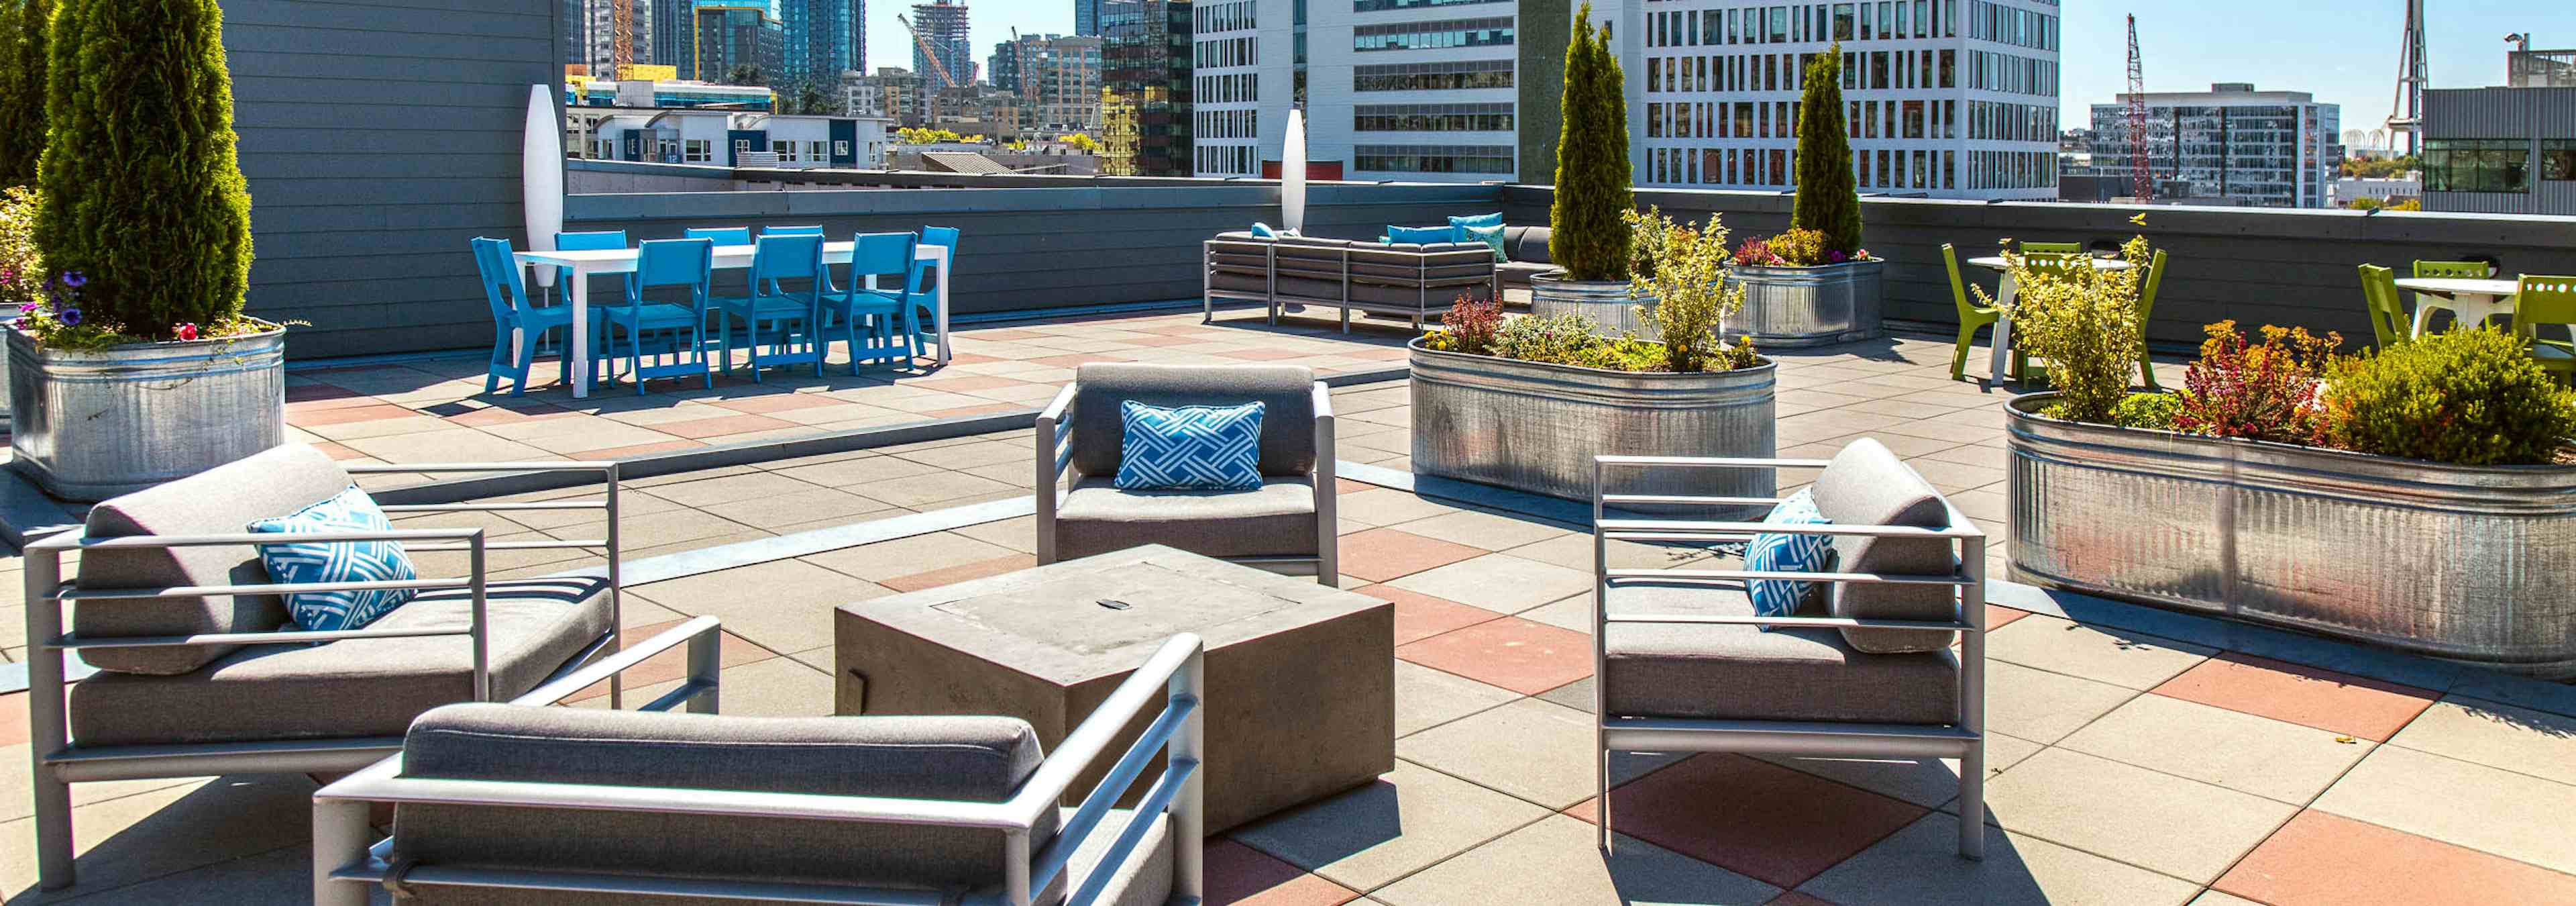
(2470, 397)
(2147, 410)
(1471, 324)
(22, 265)
(1828, 200)
(1586, 236)
(143, 193)
(24, 25)
(2257, 391)
(1690, 290)
(2084, 321)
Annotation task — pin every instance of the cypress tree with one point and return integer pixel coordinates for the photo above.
(23, 24)
(1585, 235)
(143, 189)
(1828, 199)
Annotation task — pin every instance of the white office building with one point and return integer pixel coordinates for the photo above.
(1944, 98)
(1415, 90)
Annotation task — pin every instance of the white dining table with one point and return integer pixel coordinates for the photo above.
(586, 263)
(2001, 357)
(2470, 300)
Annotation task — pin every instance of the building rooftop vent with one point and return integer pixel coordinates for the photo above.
(2233, 87)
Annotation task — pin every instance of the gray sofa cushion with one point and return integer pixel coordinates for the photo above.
(355, 687)
(1526, 244)
(223, 500)
(1285, 391)
(1518, 273)
(1868, 485)
(1276, 521)
(1735, 672)
(976, 759)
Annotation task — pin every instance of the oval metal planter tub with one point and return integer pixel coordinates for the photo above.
(93, 424)
(2462, 563)
(1791, 307)
(1535, 427)
(1606, 302)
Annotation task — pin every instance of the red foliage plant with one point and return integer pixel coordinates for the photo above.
(2258, 391)
(1472, 324)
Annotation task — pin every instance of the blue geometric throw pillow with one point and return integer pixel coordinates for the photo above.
(1190, 448)
(1785, 553)
(348, 561)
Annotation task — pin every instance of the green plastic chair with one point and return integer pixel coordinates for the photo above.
(1971, 316)
(2547, 300)
(2052, 248)
(2388, 321)
(2147, 309)
(2474, 270)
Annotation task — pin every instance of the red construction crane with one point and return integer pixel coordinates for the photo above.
(928, 52)
(2141, 184)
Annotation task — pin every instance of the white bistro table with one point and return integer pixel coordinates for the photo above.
(585, 263)
(2001, 356)
(2470, 300)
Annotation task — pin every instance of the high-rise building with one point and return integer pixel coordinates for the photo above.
(941, 25)
(2501, 150)
(1943, 98)
(1227, 91)
(1086, 17)
(676, 46)
(590, 36)
(1056, 77)
(732, 35)
(1145, 59)
(892, 93)
(2275, 149)
(1392, 89)
(821, 41)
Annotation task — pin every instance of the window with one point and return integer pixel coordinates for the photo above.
(840, 147)
(2558, 160)
(1374, 6)
(697, 151)
(2476, 165)
(1432, 158)
(1452, 76)
(1496, 32)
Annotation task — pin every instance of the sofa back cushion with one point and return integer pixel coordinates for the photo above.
(1526, 243)
(223, 500)
(1286, 393)
(975, 759)
(1868, 485)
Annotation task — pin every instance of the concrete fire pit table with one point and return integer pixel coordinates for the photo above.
(1300, 676)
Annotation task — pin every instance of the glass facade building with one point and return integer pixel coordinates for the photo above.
(2273, 149)
(1145, 61)
(822, 41)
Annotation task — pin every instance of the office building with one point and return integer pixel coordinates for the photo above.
(1229, 49)
(1145, 78)
(894, 93)
(1057, 80)
(726, 138)
(590, 36)
(2272, 149)
(822, 41)
(941, 26)
(734, 35)
(1392, 89)
(677, 46)
(667, 94)
(2501, 150)
(1086, 18)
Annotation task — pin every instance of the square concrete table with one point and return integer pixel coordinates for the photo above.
(1300, 700)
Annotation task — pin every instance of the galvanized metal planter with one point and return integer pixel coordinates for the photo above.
(2463, 563)
(1606, 302)
(1809, 306)
(1535, 427)
(90, 425)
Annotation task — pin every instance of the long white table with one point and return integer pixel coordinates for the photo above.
(2471, 301)
(588, 262)
(2001, 354)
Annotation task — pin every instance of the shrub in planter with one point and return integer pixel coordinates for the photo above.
(2084, 321)
(1571, 339)
(2470, 397)
(24, 25)
(1586, 236)
(22, 266)
(1690, 290)
(2257, 391)
(2153, 411)
(1828, 200)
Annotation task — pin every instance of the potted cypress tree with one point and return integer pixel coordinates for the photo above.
(136, 366)
(1814, 284)
(1587, 238)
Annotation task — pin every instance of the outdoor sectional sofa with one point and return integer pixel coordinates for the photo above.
(1401, 279)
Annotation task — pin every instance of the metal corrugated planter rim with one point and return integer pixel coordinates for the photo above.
(2463, 563)
(1606, 302)
(1535, 427)
(1791, 307)
(93, 424)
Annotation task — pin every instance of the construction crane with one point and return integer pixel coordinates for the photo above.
(2141, 184)
(927, 52)
(621, 37)
(2406, 114)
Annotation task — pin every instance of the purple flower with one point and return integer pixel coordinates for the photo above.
(20, 324)
(70, 317)
(29, 308)
(74, 279)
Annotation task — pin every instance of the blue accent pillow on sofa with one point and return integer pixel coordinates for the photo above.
(292, 563)
(1494, 219)
(1491, 236)
(1422, 235)
(1787, 553)
(1189, 448)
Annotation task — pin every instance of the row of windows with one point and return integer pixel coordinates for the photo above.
(2012, 122)
(1225, 17)
(2492, 164)
(1922, 119)
(1458, 75)
(1227, 52)
(1229, 88)
(700, 150)
(1227, 124)
(1228, 160)
(1864, 71)
(1887, 169)
(1432, 158)
(2012, 169)
(1882, 21)
(2007, 25)
(1493, 32)
(2011, 74)
(1432, 118)
(1379, 6)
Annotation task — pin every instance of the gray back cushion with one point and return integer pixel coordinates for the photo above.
(975, 759)
(1286, 393)
(219, 501)
(1868, 485)
(1526, 243)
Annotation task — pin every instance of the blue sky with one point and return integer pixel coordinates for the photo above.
(2345, 52)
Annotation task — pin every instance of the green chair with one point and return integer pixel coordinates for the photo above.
(1971, 316)
(2547, 300)
(2052, 248)
(2388, 322)
(2147, 309)
(2474, 270)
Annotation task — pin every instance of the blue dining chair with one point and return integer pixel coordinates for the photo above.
(721, 235)
(787, 320)
(587, 241)
(922, 292)
(829, 288)
(515, 319)
(885, 256)
(674, 334)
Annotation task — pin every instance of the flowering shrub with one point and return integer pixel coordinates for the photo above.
(22, 267)
(1691, 292)
(1795, 248)
(2265, 391)
(1572, 339)
(2084, 321)
(2470, 397)
(2147, 410)
(1470, 325)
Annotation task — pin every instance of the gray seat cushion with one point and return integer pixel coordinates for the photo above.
(355, 687)
(1868, 485)
(223, 500)
(973, 759)
(1736, 672)
(1526, 244)
(1276, 521)
(1286, 393)
(1518, 273)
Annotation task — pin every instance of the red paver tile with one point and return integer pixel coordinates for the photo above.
(777, 402)
(1347, 486)
(1005, 335)
(346, 414)
(986, 409)
(1265, 355)
(635, 450)
(731, 651)
(13, 719)
(479, 416)
(969, 358)
(1521, 655)
(1243, 876)
(960, 573)
(1157, 341)
(1758, 819)
(336, 451)
(1419, 616)
(2324, 699)
(1380, 554)
(1079, 358)
(1998, 616)
(722, 425)
(965, 382)
(2319, 858)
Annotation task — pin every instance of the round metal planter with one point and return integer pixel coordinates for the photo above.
(1606, 302)
(1535, 427)
(2463, 563)
(90, 425)
(1809, 306)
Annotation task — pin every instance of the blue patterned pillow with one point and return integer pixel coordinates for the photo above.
(1421, 235)
(1491, 236)
(348, 561)
(1785, 553)
(1191, 448)
(1494, 219)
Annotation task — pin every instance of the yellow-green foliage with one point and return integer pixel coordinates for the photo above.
(1690, 289)
(1571, 339)
(2147, 410)
(2084, 321)
(22, 266)
(2471, 397)
(24, 25)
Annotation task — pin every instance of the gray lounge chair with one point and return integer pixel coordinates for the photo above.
(1682, 668)
(201, 672)
(1287, 525)
(523, 803)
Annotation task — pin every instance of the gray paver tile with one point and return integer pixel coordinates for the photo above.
(1927, 782)
(1558, 861)
(2268, 758)
(906, 556)
(1920, 866)
(1491, 531)
(2041, 706)
(2516, 816)
(783, 605)
(1410, 818)
(2109, 655)
(133, 838)
(1425, 697)
(1498, 582)
(2496, 735)
(2179, 827)
(1532, 749)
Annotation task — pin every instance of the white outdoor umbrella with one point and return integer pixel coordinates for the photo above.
(541, 177)
(1292, 174)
